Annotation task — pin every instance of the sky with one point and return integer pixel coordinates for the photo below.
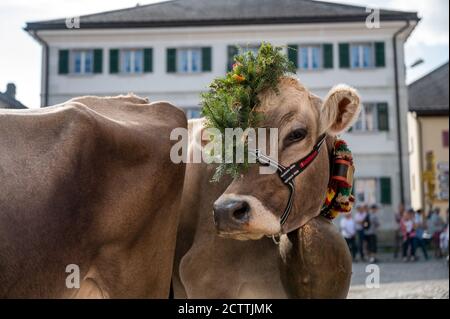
(20, 55)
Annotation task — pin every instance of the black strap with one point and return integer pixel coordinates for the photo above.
(287, 175)
(298, 167)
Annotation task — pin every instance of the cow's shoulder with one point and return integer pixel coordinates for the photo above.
(130, 125)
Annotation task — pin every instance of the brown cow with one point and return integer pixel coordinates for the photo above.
(312, 260)
(89, 182)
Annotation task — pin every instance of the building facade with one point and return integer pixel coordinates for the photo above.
(428, 122)
(173, 50)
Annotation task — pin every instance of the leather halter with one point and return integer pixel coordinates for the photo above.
(287, 174)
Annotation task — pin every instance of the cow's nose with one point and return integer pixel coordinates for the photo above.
(231, 210)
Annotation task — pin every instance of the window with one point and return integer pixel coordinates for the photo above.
(82, 62)
(361, 55)
(193, 113)
(253, 48)
(234, 50)
(131, 61)
(373, 190)
(310, 57)
(366, 191)
(366, 122)
(373, 118)
(189, 60)
(445, 138)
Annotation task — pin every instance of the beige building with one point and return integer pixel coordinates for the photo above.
(428, 122)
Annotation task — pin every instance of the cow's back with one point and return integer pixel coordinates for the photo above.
(88, 182)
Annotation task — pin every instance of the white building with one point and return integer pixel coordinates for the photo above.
(173, 50)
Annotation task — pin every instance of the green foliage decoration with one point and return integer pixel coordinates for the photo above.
(232, 101)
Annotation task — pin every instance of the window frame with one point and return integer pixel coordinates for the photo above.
(189, 51)
(122, 68)
(363, 120)
(361, 46)
(378, 189)
(84, 54)
(309, 47)
(445, 138)
(252, 48)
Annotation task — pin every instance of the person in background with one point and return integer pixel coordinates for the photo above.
(409, 235)
(444, 240)
(398, 233)
(366, 226)
(420, 225)
(435, 227)
(348, 230)
(360, 218)
(371, 233)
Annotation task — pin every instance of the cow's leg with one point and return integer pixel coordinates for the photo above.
(316, 261)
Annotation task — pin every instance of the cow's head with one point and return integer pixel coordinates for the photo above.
(252, 205)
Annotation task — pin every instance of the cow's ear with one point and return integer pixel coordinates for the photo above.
(339, 110)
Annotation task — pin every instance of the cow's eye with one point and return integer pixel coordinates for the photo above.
(296, 135)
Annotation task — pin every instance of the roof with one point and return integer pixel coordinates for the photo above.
(11, 102)
(178, 13)
(429, 94)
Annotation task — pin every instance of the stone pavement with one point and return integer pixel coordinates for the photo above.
(397, 279)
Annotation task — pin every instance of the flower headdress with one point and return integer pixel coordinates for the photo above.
(231, 101)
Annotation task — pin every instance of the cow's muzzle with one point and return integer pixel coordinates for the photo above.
(231, 215)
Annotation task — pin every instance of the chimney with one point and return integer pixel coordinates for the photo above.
(11, 90)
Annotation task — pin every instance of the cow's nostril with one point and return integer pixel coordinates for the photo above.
(231, 213)
(241, 213)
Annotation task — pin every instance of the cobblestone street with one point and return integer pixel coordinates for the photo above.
(420, 279)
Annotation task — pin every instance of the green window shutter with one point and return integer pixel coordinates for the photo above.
(380, 60)
(148, 60)
(98, 61)
(63, 61)
(171, 60)
(232, 52)
(114, 61)
(293, 54)
(344, 55)
(383, 116)
(385, 189)
(327, 56)
(206, 59)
